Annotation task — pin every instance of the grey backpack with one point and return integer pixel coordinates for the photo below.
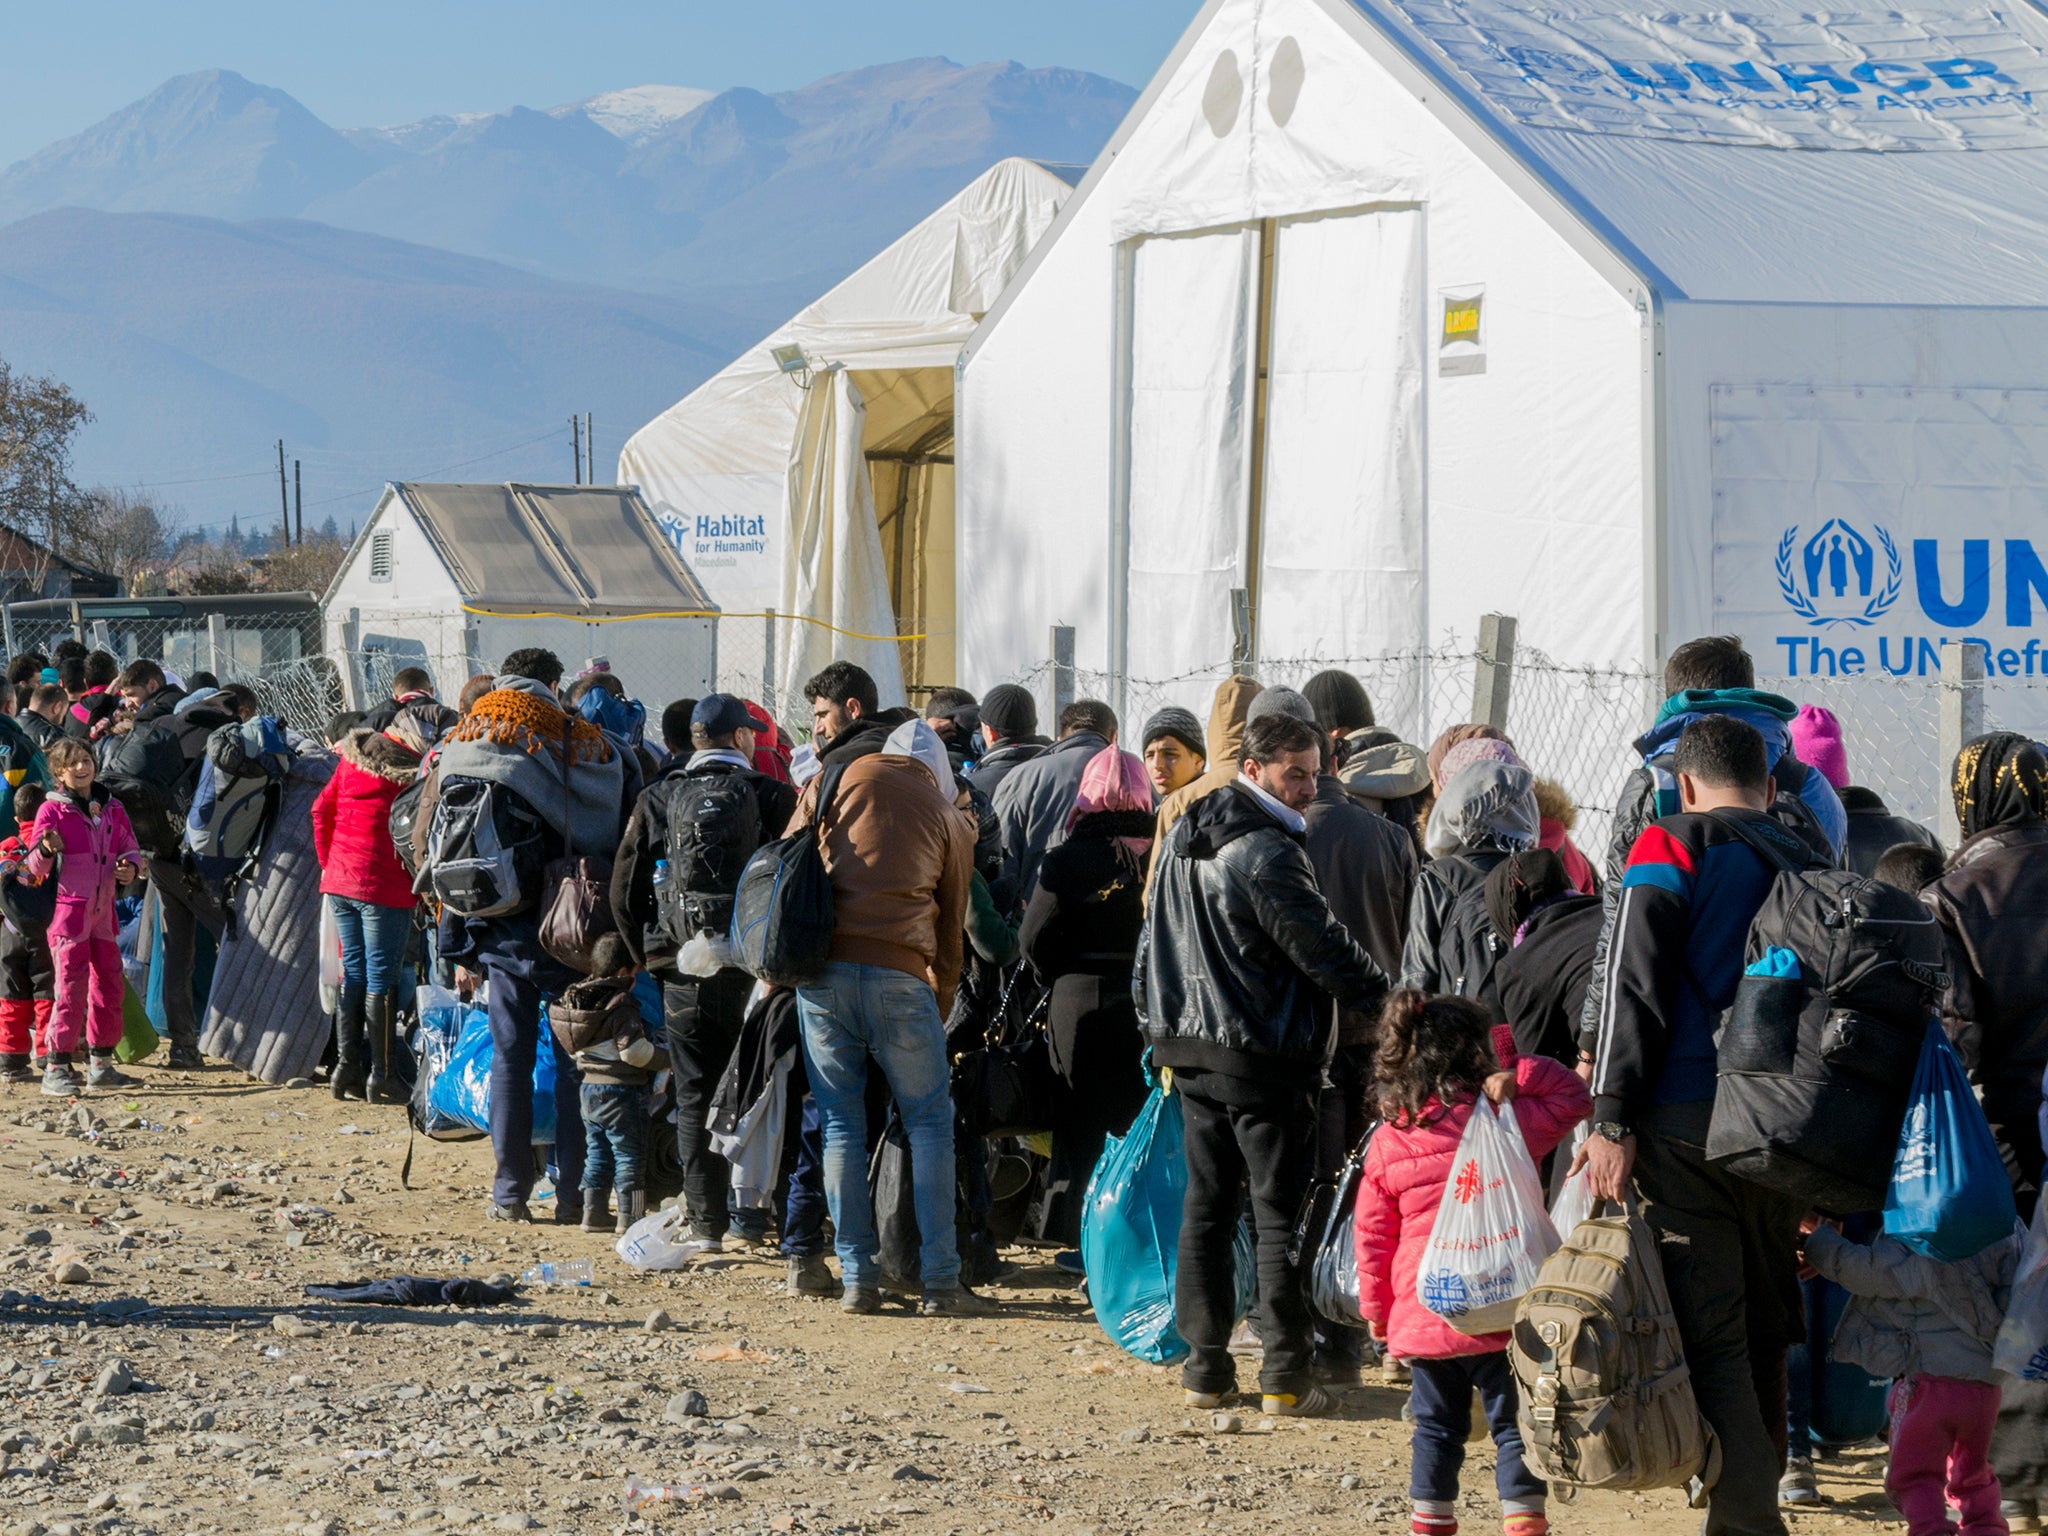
(1606, 1396)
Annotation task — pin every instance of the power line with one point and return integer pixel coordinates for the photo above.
(428, 474)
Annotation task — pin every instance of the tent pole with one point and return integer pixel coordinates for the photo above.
(1262, 368)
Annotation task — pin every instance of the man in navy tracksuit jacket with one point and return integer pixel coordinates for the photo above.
(1692, 884)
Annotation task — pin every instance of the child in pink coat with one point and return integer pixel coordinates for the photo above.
(1436, 1055)
(82, 833)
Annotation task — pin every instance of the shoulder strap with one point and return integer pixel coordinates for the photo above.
(828, 786)
(1777, 858)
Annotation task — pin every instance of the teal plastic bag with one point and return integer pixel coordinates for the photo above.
(1950, 1198)
(462, 1089)
(1130, 1234)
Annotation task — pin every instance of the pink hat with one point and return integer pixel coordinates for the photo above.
(1817, 738)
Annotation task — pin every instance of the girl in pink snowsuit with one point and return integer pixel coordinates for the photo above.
(83, 834)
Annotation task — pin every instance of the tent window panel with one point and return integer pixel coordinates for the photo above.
(1188, 508)
(1342, 529)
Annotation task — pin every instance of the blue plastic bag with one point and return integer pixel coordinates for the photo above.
(461, 1090)
(1950, 1198)
(1130, 1234)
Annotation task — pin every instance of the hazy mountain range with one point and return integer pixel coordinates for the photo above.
(213, 267)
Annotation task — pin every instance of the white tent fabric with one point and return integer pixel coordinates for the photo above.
(832, 558)
(715, 466)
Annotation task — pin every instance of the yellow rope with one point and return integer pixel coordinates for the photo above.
(693, 613)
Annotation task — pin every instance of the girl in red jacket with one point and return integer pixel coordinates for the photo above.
(370, 891)
(1433, 1062)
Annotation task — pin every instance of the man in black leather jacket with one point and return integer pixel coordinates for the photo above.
(1233, 981)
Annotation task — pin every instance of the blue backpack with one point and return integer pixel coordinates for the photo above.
(241, 785)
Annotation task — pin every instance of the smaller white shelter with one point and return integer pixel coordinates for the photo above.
(814, 476)
(453, 578)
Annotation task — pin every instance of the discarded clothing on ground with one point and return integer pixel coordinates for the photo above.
(416, 1291)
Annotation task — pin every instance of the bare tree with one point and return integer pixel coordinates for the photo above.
(124, 533)
(38, 419)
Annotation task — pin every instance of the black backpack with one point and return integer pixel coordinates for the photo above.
(1468, 949)
(486, 850)
(782, 912)
(1816, 1068)
(714, 827)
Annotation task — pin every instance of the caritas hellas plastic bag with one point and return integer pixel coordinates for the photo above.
(1491, 1233)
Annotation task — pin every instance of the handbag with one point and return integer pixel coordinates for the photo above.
(576, 894)
(1326, 1243)
(1009, 1088)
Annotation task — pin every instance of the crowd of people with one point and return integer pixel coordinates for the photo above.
(1312, 931)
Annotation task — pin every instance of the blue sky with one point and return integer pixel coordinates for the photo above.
(369, 62)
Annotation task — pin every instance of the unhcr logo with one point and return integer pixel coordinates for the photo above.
(1833, 577)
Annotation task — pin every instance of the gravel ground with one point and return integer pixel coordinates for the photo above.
(161, 1369)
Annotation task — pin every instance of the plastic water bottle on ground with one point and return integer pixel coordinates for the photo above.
(560, 1272)
(643, 1494)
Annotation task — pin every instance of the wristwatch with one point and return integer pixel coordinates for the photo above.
(1611, 1130)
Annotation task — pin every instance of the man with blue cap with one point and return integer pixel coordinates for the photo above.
(691, 833)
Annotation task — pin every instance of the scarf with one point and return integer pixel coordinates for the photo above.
(1114, 780)
(520, 720)
(1488, 805)
(1999, 779)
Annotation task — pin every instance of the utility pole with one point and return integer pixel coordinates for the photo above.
(284, 500)
(299, 504)
(589, 449)
(576, 445)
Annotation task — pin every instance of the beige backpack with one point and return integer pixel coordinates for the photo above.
(1606, 1398)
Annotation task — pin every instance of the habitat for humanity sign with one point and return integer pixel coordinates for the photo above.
(1858, 529)
(1868, 80)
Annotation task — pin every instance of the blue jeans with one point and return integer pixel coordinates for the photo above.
(373, 940)
(516, 1035)
(803, 1219)
(857, 1011)
(615, 1136)
(1440, 1393)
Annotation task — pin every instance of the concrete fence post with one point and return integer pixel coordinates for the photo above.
(1240, 632)
(1062, 674)
(1962, 719)
(1493, 673)
(7, 630)
(217, 653)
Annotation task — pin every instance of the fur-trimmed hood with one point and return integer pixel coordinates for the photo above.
(374, 752)
(1553, 803)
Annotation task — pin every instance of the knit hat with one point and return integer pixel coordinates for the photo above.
(1817, 739)
(1281, 701)
(1181, 725)
(1340, 701)
(1009, 710)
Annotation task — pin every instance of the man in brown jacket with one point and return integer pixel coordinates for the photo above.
(900, 853)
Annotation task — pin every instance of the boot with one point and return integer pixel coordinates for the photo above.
(632, 1206)
(104, 1074)
(347, 1082)
(14, 1068)
(383, 1086)
(597, 1210)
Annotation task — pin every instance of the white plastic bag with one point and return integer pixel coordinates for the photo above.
(330, 956)
(2022, 1348)
(656, 1241)
(1573, 1202)
(1491, 1233)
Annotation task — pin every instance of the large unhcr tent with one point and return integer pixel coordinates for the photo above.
(814, 476)
(1635, 324)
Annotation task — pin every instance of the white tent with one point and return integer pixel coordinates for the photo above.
(1635, 324)
(819, 483)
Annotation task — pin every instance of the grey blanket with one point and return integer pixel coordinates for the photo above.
(264, 1012)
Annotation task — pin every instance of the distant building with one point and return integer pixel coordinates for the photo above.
(29, 571)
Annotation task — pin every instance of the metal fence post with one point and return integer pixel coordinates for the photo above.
(1240, 632)
(1962, 719)
(217, 645)
(1494, 671)
(1062, 671)
(7, 630)
(768, 663)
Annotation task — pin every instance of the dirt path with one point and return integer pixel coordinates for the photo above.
(202, 1204)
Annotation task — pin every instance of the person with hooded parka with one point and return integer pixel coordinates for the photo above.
(1486, 811)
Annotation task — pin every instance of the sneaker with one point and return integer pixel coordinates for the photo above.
(1798, 1485)
(1203, 1402)
(956, 1301)
(516, 1211)
(14, 1069)
(810, 1277)
(104, 1074)
(1068, 1261)
(1295, 1405)
(60, 1082)
(186, 1058)
(862, 1300)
